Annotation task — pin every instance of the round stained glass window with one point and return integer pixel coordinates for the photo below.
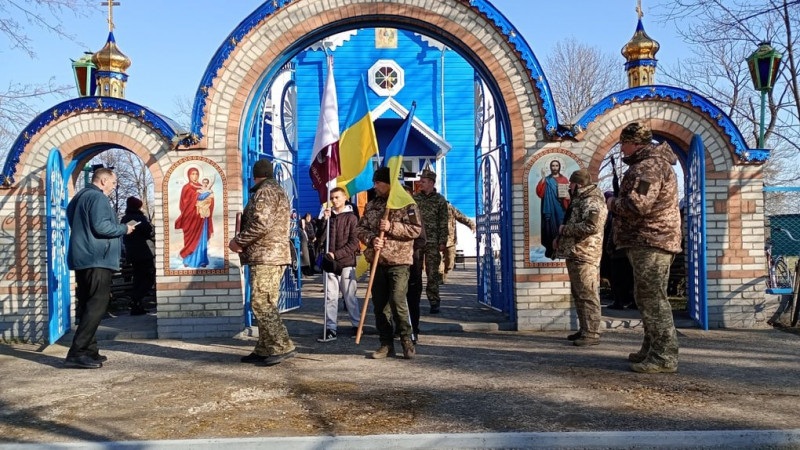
(386, 78)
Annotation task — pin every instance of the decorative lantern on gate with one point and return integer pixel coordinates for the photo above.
(84, 70)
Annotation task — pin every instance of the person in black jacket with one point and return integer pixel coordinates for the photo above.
(138, 253)
(342, 249)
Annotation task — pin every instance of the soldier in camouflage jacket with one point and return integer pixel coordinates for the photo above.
(580, 241)
(647, 225)
(434, 217)
(449, 254)
(390, 283)
(263, 243)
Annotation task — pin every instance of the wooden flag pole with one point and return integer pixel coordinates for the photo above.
(369, 285)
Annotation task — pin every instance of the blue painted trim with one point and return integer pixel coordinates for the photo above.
(537, 75)
(641, 62)
(660, 92)
(268, 8)
(222, 54)
(165, 127)
(781, 188)
(108, 74)
(779, 291)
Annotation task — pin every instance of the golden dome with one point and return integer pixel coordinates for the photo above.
(641, 46)
(110, 58)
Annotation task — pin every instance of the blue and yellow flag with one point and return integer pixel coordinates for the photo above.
(393, 159)
(357, 145)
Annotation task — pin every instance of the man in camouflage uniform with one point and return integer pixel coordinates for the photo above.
(393, 234)
(433, 208)
(648, 226)
(580, 242)
(263, 243)
(449, 253)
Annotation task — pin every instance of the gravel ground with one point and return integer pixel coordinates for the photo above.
(459, 383)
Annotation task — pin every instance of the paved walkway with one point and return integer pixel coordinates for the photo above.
(460, 311)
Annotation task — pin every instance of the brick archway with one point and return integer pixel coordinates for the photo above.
(268, 44)
(666, 119)
(23, 207)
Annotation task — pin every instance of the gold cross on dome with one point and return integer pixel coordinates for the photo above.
(639, 9)
(111, 4)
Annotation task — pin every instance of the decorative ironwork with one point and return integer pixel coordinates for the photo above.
(58, 295)
(696, 224)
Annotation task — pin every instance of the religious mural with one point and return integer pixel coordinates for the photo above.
(195, 210)
(547, 200)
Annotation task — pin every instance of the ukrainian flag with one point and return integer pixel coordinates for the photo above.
(393, 159)
(357, 145)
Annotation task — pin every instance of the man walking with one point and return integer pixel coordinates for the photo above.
(400, 227)
(263, 243)
(433, 208)
(580, 242)
(647, 224)
(94, 253)
(449, 254)
(342, 249)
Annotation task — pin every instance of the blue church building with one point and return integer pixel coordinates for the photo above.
(399, 67)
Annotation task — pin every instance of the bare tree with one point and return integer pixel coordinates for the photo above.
(722, 34)
(182, 112)
(133, 179)
(18, 102)
(581, 75)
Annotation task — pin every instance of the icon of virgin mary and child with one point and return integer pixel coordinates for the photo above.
(197, 209)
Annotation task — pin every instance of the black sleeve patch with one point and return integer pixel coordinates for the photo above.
(412, 216)
(643, 187)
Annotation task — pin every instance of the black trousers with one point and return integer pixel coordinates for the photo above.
(144, 275)
(93, 291)
(414, 292)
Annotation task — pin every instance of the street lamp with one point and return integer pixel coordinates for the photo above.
(764, 64)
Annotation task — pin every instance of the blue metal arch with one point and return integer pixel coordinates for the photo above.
(268, 8)
(163, 125)
(670, 93)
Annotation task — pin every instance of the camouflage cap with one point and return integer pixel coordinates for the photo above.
(581, 176)
(636, 132)
(429, 174)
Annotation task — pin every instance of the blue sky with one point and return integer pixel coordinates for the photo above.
(171, 42)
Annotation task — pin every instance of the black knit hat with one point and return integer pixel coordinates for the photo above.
(262, 169)
(134, 203)
(382, 175)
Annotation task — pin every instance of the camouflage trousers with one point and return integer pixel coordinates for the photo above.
(584, 280)
(265, 282)
(448, 260)
(650, 275)
(433, 259)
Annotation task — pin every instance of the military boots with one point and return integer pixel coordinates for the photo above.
(383, 352)
(409, 351)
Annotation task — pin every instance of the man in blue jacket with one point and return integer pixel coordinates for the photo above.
(94, 252)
